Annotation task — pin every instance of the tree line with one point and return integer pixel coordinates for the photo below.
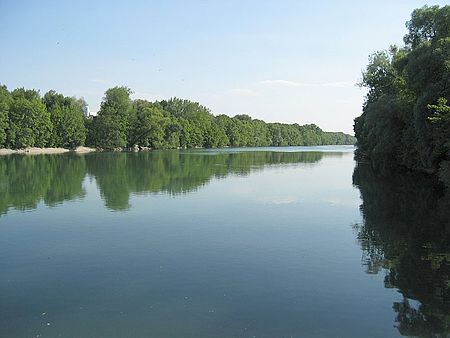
(55, 120)
(406, 116)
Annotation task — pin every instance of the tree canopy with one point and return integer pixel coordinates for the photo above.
(54, 120)
(405, 119)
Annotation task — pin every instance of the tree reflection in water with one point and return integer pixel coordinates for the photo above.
(25, 181)
(406, 233)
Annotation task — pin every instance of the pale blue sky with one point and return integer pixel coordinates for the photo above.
(287, 61)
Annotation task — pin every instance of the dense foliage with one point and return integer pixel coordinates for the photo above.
(28, 120)
(406, 123)
(176, 123)
(406, 117)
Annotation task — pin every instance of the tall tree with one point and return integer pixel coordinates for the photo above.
(402, 121)
(148, 125)
(29, 121)
(67, 117)
(112, 122)
(5, 103)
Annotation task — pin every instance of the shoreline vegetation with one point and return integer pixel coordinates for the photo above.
(82, 150)
(57, 123)
(406, 116)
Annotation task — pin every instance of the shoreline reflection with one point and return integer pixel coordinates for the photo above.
(406, 234)
(25, 181)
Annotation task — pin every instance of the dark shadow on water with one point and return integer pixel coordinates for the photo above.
(406, 234)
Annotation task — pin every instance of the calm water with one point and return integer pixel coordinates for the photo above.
(271, 242)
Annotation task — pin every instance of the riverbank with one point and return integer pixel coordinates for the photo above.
(41, 151)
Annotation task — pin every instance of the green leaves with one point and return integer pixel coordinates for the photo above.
(5, 103)
(401, 123)
(29, 120)
(441, 111)
(66, 114)
(112, 123)
(55, 120)
(148, 125)
(440, 121)
(427, 24)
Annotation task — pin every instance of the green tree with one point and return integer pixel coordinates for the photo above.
(428, 23)
(112, 123)
(29, 121)
(148, 125)
(57, 120)
(199, 130)
(66, 114)
(399, 125)
(5, 103)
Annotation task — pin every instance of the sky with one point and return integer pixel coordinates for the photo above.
(280, 61)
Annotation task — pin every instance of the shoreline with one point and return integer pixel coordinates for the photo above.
(84, 150)
(45, 151)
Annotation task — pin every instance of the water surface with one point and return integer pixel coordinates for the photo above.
(271, 242)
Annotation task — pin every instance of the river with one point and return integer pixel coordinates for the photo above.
(255, 242)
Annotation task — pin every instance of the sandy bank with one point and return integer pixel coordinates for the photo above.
(39, 151)
(7, 151)
(83, 150)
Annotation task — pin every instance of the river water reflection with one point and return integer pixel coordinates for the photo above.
(268, 242)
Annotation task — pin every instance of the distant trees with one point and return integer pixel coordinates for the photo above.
(5, 103)
(54, 120)
(405, 118)
(112, 124)
(29, 120)
(29, 123)
(148, 126)
(66, 115)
